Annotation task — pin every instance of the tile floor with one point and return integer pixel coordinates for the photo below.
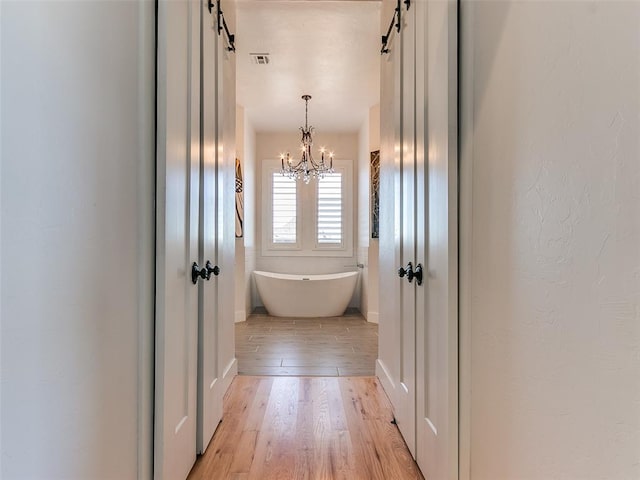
(335, 346)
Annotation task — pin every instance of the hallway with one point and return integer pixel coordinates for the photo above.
(306, 428)
(488, 196)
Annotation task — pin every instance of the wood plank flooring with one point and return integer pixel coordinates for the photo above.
(335, 346)
(306, 428)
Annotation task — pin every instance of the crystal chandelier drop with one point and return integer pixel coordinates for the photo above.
(307, 168)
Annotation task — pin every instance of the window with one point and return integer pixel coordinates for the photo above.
(329, 210)
(314, 219)
(284, 211)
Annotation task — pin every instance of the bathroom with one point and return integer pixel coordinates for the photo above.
(352, 134)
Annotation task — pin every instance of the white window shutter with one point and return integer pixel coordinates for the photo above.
(330, 210)
(284, 212)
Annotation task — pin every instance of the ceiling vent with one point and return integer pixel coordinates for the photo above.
(259, 58)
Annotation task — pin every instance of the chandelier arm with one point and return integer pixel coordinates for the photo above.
(315, 164)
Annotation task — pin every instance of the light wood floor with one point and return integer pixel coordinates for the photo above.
(302, 428)
(336, 346)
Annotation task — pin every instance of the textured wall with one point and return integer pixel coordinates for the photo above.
(77, 148)
(551, 133)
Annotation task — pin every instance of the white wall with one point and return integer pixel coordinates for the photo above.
(374, 127)
(362, 215)
(367, 255)
(269, 146)
(240, 274)
(373, 252)
(77, 245)
(551, 249)
(250, 211)
(1, 240)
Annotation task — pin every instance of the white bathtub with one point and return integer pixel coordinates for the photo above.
(306, 295)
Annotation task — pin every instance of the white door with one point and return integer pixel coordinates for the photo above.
(178, 173)
(389, 354)
(226, 197)
(209, 383)
(437, 241)
(406, 407)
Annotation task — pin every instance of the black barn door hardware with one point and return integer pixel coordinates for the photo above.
(396, 21)
(222, 25)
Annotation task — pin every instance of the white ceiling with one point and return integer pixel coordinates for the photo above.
(327, 49)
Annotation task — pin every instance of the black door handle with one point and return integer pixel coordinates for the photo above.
(410, 273)
(215, 269)
(418, 274)
(406, 271)
(196, 272)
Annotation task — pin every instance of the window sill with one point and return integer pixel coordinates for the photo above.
(273, 252)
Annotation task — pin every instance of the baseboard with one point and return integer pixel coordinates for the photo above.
(387, 382)
(241, 316)
(229, 374)
(373, 317)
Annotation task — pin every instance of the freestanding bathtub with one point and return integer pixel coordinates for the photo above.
(286, 295)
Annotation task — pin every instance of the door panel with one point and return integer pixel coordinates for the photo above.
(437, 334)
(389, 355)
(209, 384)
(418, 211)
(407, 392)
(226, 164)
(178, 170)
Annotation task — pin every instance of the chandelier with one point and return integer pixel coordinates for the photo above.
(307, 168)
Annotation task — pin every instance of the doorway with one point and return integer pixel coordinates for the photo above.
(418, 225)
